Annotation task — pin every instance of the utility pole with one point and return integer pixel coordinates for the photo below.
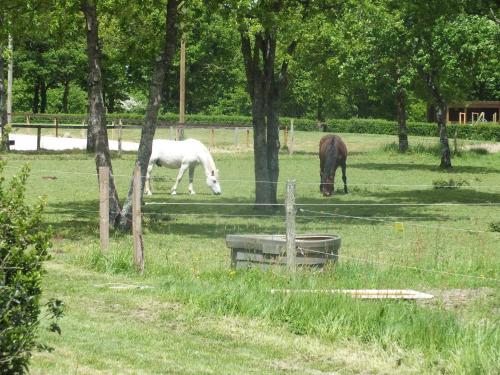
(9, 80)
(182, 88)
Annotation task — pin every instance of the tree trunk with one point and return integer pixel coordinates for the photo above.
(321, 110)
(401, 100)
(96, 102)
(65, 96)
(36, 96)
(443, 135)
(265, 91)
(260, 151)
(97, 114)
(3, 112)
(441, 119)
(161, 66)
(111, 103)
(43, 97)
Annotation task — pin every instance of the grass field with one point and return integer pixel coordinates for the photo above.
(191, 314)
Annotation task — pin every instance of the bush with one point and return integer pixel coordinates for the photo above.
(23, 248)
(449, 184)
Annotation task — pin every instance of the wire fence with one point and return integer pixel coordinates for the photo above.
(299, 181)
(306, 213)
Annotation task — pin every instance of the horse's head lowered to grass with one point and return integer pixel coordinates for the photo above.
(213, 183)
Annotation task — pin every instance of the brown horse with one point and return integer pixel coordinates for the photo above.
(332, 153)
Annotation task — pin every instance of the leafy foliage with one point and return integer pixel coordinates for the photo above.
(24, 244)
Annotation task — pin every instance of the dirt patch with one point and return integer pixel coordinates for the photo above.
(454, 299)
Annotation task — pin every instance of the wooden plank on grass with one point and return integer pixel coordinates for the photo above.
(363, 293)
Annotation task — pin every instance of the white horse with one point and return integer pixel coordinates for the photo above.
(183, 155)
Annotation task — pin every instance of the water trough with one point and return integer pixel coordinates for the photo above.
(263, 250)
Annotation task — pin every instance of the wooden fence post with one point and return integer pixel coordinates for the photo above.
(292, 137)
(290, 225)
(104, 207)
(38, 137)
(248, 137)
(212, 137)
(112, 129)
(56, 124)
(285, 138)
(235, 137)
(28, 122)
(137, 221)
(455, 143)
(120, 125)
(82, 133)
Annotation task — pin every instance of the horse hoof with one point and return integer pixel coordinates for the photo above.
(149, 193)
(173, 193)
(192, 193)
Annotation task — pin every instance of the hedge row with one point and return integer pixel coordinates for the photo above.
(485, 131)
(489, 132)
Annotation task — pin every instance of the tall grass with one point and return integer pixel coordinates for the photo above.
(187, 260)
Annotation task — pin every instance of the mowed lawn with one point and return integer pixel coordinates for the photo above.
(405, 224)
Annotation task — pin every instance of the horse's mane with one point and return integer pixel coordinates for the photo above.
(331, 156)
(210, 161)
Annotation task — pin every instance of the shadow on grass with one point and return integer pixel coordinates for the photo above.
(80, 219)
(423, 167)
(315, 153)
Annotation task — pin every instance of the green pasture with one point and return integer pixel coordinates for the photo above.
(405, 224)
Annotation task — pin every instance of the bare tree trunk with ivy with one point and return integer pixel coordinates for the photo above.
(161, 66)
(97, 114)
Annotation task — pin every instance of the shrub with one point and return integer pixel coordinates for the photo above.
(495, 226)
(449, 184)
(23, 248)
(4, 140)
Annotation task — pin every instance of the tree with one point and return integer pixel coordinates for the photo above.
(161, 65)
(269, 32)
(97, 140)
(451, 49)
(390, 50)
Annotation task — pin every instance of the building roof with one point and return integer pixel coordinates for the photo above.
(476, 103)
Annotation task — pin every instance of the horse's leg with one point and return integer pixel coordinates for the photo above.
(344, 177)
(191, 175)
(147, 183)
(179, 178)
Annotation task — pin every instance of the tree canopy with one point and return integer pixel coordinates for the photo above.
(350, 59)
